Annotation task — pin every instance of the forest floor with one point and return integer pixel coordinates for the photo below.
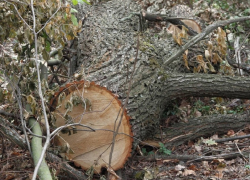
(228, 160)
(200, 159)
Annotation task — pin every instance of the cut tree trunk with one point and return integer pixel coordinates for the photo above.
(107, 49)
(98, 113)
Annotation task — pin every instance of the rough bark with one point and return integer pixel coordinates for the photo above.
(11, 134)
(106, 51)
(203, 127)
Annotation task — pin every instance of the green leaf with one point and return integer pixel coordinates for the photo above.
(47, 46)
(139, 175)
(72, 10)
(240, 28)
(150, 153)
(163, 149)
(81, 1)
(210, 142)
(74, 20)
(75, 2)
(1, 95)
(45, 55)
(247, 166)
(144, 151)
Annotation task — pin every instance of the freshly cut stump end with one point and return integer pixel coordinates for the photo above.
(98, 108)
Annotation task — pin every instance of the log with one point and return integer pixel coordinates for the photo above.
(204, 127)
(93, 106)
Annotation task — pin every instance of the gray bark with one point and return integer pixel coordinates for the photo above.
(203, 127)
(107, 48)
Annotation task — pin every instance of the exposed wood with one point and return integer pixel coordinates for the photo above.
(98, 108)
(190, 23)
(176, 21)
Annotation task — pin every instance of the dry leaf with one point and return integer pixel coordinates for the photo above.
(202, 64)
(205, 164)
(219, 175)
(170, 161)
(215, 136)
(241, 133)
(197, 148)
(211, 68)
(193, 167)
(185, 58)
(179, 167)
(218, 161)
(210, 45)
(206, 173)
(188, 172)
(207, 54)
(230, 132)
(197, 114)
(148, 175)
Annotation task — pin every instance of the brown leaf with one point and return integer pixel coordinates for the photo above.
(170, 161)
(188, 172)
(185, 58)
(197, 114)
(197, 148)
(207, 54)
(230, 132)
(179, 167)
(193, 167)
(205, 164)
(202, 64)
(219, 175)
(206, 173)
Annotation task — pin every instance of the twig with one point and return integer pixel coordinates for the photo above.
(68, 125)
(71, 172)
(191, 158)
(46, 144)
(11, 133)
(231, 138)
(8, 114)
(240, 152)
(17, 94)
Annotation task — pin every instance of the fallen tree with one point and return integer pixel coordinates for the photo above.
(107, 50)
(113, 53)
(140, 67)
